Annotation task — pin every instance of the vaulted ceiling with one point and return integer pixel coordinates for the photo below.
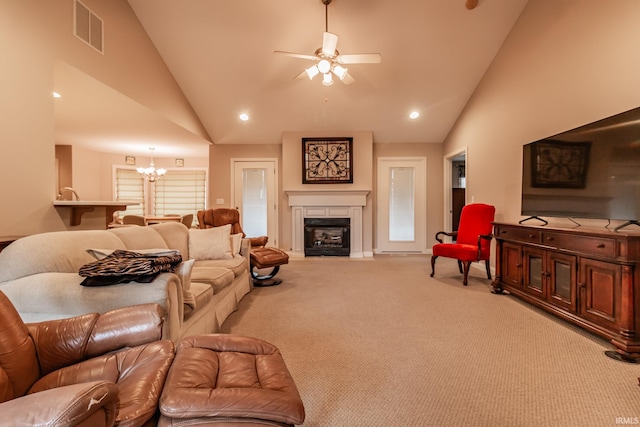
(434, 53)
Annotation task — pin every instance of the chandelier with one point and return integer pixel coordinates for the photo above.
(151, 173)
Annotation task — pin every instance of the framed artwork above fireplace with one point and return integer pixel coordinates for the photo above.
(327, 160)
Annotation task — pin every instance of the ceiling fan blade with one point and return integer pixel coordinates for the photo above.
(359, 58)
(329, 43)
(302, 75)
(296, 55)
(348, 79)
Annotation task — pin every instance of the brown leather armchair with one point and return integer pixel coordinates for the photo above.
(89, 370)
(262, 257)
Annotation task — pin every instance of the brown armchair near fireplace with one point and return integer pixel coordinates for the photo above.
(263, 257)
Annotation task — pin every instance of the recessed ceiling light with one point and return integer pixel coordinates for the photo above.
(56, 95)
(414, 115)
(244, 117)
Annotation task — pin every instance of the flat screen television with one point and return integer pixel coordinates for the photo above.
(589, 172)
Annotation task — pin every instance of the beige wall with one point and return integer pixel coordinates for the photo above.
(566, 63)
(289, 155)
(93, 171)
(33, 35)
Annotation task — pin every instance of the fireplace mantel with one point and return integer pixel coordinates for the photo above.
(327, 198)
(327, 204)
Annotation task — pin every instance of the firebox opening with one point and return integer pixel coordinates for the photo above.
(326, 237)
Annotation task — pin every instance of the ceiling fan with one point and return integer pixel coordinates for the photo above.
(329, 62)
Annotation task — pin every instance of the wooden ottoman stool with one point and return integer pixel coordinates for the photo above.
(226, 380)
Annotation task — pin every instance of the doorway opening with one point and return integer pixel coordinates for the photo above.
(455, 188)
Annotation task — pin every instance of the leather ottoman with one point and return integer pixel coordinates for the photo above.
(222, 380)
(267, 257)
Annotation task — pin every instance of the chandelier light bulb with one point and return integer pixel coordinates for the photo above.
(327, 80)
(151, 173)
(340, 71)
(312, 72)
(324, 66)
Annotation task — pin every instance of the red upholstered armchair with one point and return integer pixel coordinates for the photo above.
(472, 241)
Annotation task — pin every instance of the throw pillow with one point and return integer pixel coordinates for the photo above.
(236, 242)
(184, 273)
(210, 243)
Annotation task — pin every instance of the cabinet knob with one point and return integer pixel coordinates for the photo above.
(531, 236)
(600, 245)
(549, 239)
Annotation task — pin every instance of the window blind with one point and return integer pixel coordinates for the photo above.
(130, 186)
(180, 192)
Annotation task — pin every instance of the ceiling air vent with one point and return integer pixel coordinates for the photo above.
(87, 26)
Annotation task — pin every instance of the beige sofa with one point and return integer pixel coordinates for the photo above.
(39, 274)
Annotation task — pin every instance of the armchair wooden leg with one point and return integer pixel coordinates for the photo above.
(467, 265)
(433, 264)
(486, 263)
(460, 266)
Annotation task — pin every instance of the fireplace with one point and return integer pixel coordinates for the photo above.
(327, 236)
(328, 204)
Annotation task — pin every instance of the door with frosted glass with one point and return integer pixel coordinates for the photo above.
(255, 197)
(401, 204)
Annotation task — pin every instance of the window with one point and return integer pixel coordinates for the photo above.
(178, 192)
(129, 185)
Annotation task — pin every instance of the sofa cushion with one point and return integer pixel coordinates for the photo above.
(136, 238)
(236, 244)
(216, 277)
(60, 295)
(202, 294)
(210, 243)
(184, 271)
(176, 236)
(57, 251)
(237, 264)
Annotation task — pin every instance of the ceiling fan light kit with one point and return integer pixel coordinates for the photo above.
(329, 61)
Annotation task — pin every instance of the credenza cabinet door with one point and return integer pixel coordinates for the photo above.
(562, 273)
(551, 276)
(512, 265)
(601, 287)
(533, 273)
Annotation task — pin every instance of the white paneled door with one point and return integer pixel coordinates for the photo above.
(401, 204)
(254, 195)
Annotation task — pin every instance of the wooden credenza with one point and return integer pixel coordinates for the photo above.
(589, 277)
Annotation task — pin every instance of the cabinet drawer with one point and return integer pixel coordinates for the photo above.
(588, 245)
(518, 234)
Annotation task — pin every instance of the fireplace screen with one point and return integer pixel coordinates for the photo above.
(326, 236)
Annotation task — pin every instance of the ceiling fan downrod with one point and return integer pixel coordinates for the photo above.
(326, 14)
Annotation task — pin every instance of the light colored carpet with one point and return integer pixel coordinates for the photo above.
(377, 342)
